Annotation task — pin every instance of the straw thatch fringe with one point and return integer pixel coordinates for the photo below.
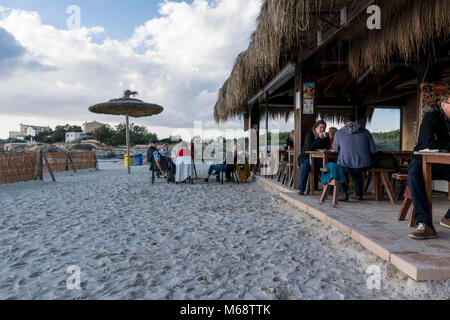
(405, 38)
(408, 28)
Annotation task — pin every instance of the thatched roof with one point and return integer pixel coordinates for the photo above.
(408, 28)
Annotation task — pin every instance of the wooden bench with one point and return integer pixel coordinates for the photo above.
(326, 189)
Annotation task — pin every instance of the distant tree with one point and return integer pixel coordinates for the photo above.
(44, 136)
(117, 136)
(104, 134)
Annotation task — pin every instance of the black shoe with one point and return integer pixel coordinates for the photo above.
(206, 180)
(343, 197)
(301, 193)
(355, 197)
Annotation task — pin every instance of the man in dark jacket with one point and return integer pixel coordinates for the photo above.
(355, 145)
(434, 135)
(316, 139)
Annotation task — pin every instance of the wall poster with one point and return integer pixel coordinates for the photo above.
(309, 96)
(431, 94)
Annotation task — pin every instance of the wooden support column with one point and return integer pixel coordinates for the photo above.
(127, 134)
(267, 124)
(254, 119)
(303, 123)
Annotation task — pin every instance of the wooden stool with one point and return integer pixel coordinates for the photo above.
(380, 181)
(407, 203)
(400, 178)
(335, 184)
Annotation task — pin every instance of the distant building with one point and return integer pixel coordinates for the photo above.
(71, 136)
(89, 127)
(27, 130)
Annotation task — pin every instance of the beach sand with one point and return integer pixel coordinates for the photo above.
(134, 240)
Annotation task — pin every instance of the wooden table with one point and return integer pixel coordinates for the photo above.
(428, 159)
(401, 156)
(326, 156)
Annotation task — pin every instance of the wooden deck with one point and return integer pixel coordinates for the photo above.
(375, 226)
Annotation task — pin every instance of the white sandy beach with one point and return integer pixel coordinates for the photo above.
(133, 240)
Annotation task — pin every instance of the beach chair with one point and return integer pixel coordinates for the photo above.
(232, 172)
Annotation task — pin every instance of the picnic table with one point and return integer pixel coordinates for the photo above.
(428, 159)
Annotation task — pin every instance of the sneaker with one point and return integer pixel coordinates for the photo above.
(423, 232)
(445, 222)
(301, 193)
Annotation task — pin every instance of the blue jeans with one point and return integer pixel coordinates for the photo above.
(357, 181)
(416, 185)
(304, 172)
(217, 167)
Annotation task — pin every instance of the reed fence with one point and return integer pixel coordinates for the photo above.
(16, 167)
(26, 166)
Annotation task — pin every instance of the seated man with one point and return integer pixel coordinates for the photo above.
(434, 134)
(216, 167)
(228, 169)
(165, 152)
(155, 158)
(355, 145)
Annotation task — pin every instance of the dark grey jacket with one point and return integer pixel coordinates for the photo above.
(355, 145)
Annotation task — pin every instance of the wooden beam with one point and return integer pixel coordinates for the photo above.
(375, 100)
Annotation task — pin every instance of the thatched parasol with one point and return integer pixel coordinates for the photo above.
(129, 107)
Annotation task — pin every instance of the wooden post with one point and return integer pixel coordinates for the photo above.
(95, 161)
(49, 169)
(267, 125)
(303, 123)
(71, 162)
(128, 144)
(254, 145)
(41, 167)
(36, 166)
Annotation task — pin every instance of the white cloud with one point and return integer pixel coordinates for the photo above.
(178, 60)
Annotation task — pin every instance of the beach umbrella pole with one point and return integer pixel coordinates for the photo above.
(128, 143)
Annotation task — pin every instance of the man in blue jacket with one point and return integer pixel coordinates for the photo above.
(355, 145)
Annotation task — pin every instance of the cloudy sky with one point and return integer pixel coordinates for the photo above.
(174, 53)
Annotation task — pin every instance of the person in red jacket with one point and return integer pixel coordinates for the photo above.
(331, 134)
